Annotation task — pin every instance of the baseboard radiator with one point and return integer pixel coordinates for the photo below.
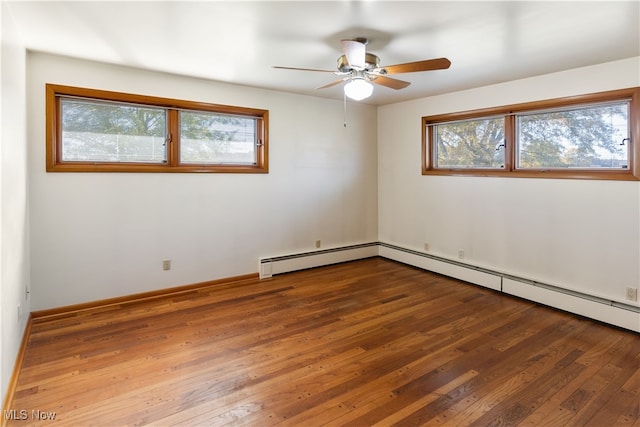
(304, 260)
(616, 313)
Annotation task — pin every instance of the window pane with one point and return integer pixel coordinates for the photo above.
(109, 132)
(590, 137)
(210, 138)
(470, 144)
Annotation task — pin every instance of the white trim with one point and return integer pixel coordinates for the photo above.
(457, 271)
(301, 261)
(612, 312)
(595, 310)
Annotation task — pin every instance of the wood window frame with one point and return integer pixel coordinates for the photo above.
(510, 112)
(54, 162)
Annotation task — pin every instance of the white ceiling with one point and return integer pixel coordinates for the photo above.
(239, 41)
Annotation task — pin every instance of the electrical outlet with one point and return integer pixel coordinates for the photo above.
(318, 243)
(632, 294)
(461, 254)
(426, 247)
(166, 264)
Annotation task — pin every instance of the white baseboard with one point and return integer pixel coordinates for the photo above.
(611, 312)
(457, 271)
(597, 308)
(574, 304)
(284, 264)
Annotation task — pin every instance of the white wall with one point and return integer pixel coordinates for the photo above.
(100, 235)
(580, 235)
(14, 255)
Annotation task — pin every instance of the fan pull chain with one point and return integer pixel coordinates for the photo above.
(344, 104)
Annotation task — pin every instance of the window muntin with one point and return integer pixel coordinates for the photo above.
(581, 138)
(476, 143)
(91, 130)
(612, 151)
(212, 138)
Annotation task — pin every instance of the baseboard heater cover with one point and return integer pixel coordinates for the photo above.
(587, 307)
(442, 266)
(608, 311)
(301, 261)
(612, 312)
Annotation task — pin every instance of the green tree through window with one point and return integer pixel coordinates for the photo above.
(216, 138)
(98, 131)
(586, 137)
(471, 144)
(93, 130)
(578, 138)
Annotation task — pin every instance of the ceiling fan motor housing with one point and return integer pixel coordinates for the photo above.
(371, 63)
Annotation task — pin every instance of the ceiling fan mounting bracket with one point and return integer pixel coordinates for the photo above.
(362, 40)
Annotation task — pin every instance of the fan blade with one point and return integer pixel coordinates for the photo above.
(302, 69)
(389, 82)
(355, 53)
(412, 67)
(332, 83)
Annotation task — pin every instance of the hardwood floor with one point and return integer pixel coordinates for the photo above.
(370, 342)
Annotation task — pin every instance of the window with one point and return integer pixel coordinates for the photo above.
(583, 137)
(470, 144)
(212, 138)
(99, 131)
(588, 137)
(94, 131)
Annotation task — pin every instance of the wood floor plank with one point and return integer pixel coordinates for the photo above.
(369, 342)
(471, 409)
(480, 355)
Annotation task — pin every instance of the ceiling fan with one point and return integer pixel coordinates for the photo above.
(360, 68)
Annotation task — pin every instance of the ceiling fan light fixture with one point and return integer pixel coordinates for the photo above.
(358, 89)
(359, 68)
